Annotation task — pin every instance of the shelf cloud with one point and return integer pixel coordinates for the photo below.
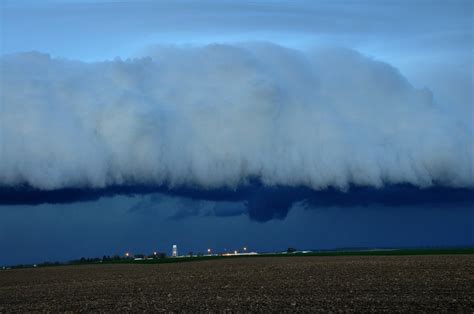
(220, 117)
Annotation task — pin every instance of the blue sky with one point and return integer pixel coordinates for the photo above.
(313, 94)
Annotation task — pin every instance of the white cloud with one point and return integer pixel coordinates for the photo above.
(216, 115)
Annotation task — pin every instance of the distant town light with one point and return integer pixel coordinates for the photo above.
(235, 252)
(175, 250)
(154, 253)
(127, 254)
(245, 248)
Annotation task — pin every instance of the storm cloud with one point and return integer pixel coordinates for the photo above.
(219, 117)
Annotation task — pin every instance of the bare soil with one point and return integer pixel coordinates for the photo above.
(343, 283)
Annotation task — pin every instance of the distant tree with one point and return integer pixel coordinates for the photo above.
(291, 250)
(116, 257)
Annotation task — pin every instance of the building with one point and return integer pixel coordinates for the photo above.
(175, 250)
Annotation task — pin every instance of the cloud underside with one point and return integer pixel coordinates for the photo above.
(259, 202)
(306, 124)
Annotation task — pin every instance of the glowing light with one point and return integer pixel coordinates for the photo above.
(127, 254)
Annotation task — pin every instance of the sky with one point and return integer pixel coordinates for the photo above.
(136, 125)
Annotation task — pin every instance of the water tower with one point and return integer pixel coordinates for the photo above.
(175, 250)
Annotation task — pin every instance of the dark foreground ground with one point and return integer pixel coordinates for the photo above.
(347, 283)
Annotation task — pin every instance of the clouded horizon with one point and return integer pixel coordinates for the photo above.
(225, 110)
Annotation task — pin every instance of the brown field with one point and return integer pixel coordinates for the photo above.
(347, 283)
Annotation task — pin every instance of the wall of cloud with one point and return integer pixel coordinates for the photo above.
(220, 115)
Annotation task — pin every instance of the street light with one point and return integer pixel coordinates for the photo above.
(208, 251)
(245, 248)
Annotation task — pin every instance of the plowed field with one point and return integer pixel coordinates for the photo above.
(347, 283)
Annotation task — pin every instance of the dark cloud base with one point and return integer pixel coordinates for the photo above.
(263, 203)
